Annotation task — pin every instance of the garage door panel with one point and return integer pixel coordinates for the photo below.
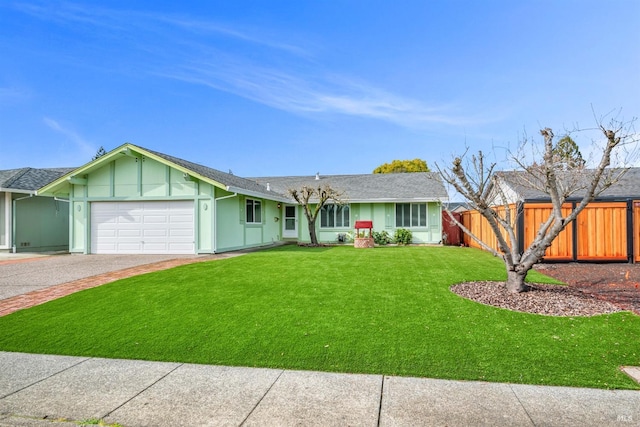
(156, 233)
(128, 233)
(129, 219)
(180, 233)
(143, 227)
(156, 219)
(123, 247)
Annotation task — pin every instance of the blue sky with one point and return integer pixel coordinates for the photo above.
(298, 87)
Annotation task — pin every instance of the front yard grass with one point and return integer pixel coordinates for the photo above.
(382, 311)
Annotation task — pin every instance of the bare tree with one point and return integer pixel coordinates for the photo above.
(480, 185)
(312, 199)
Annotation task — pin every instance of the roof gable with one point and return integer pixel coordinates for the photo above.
(215, 177)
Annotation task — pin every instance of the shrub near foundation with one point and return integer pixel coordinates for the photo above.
(381, 238)
(403, 236)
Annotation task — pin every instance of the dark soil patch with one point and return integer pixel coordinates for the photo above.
(616, 283)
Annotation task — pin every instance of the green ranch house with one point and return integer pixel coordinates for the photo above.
(135, 200)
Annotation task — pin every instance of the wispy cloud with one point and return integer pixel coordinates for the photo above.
(80, 143)
(9, 95)
(247, 62)
(311, 93)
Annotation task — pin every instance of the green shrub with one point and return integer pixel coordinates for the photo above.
(381, 238)
(403, 236)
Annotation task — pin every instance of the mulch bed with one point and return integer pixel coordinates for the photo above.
(613, 282)
(592, 289)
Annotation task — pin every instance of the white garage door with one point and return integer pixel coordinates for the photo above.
(142, 227)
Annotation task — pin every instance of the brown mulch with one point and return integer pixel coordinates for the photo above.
(613, 282)
(593, 289)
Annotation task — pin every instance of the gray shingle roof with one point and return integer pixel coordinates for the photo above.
(419, 186)
(627, 187)
(232, 181)
(29, 179)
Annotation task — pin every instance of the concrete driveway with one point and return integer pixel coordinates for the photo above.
(22, 273)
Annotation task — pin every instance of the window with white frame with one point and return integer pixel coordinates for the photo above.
(334, 216)
(254, 211)
(411, 215)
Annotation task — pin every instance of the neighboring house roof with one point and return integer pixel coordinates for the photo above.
(393, 187)
(458, 206)
(627, 185)
(28, 180)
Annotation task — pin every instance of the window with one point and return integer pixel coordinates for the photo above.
(334, 216)
(254, 211)
(411, 215)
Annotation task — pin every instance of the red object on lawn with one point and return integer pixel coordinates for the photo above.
(365, 225)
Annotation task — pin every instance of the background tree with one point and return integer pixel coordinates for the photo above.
(403, 166)
(480, 184)
(568, 153)
(101, 152)
(312, 199)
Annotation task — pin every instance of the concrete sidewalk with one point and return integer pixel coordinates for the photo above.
(44, 390)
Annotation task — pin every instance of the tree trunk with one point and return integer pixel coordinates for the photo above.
(515, 281)
(312, 233)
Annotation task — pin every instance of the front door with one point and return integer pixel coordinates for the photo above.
(290, 224)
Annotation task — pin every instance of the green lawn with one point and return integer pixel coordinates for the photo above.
(385, 311)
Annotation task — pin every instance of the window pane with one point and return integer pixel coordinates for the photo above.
(323, 217)
(406, 215)
(328, 216)
(414, 215)
(342, 216)
(249, 210)
(398, 215)
(423, 214)
(257, 216)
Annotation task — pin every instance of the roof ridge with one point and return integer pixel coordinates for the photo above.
(22, 172)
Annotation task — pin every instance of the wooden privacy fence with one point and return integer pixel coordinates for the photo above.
(604, 231)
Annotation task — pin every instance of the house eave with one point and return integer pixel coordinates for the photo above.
(400, 200)
(275, 196)
(17, 190)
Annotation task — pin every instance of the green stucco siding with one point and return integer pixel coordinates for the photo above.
(383, 217)
(181, 187)
(126, 177)
(100, 185)
(233, 232)
(204, 229)
(229, 231)
(272, 222)
(78, 227)
(154, 179)
(253, 235)
(42, 225)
